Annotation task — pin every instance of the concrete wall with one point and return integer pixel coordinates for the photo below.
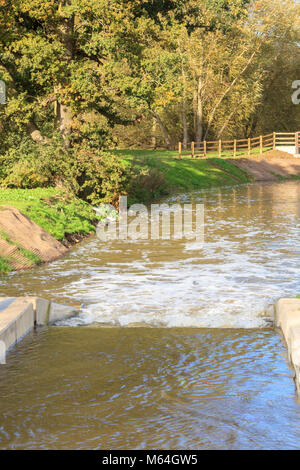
(16, 321)
(287, 148)
(287, 317)
(20, 315)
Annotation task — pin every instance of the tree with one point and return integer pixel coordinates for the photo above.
(68, 58)
(196, 69)
(225, 58)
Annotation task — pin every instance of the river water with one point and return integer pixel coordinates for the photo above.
(212, 372)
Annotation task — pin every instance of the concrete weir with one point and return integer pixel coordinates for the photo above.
(20, 315)
(287, 318)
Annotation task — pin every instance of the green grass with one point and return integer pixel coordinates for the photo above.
(286, 178)
(31, 257)
(57, 212)
(54, 210)
(5, 266)
(187, 173)
(5, 237)
(186, 154)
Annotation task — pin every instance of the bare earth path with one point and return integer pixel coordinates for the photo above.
(270, 166)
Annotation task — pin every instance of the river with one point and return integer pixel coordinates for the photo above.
(206, 368)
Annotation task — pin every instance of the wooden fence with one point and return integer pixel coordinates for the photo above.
(242, 146)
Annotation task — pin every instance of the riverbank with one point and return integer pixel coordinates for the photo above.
(187, 173)
(40, 225)
(68, 219)
(271, 166)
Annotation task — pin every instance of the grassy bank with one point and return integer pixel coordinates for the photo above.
(187, 173)
(56, 211)
(63, 215)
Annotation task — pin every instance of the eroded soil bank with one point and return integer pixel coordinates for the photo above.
(23, 242)
(271, 166)
(40, 225)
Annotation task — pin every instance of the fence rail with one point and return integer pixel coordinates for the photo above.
(233, 147)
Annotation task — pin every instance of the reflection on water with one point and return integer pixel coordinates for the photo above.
(128, 388)
(250, 257)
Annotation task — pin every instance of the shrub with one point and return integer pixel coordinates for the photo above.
(146, 181)
(94, 175)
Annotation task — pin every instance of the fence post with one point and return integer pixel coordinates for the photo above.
(179, 150)
(204, 148)
(260, 144)
(193, 149)
(220, 148)
(249, 146)
(234, 148)
(274, 140)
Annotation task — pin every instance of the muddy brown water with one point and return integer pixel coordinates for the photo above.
(211, 372)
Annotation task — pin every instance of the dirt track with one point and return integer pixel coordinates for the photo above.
(270, 166)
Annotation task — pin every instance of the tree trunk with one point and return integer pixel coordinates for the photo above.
(199, 113)
(64, 112)
(153, 137)
(163, 129)
(225, 124)
(195, 110)
(65, 123)
(185, 137)
(185, 130)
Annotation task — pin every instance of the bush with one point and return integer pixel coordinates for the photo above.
(100, 176)
(94, 175)
(146, 182)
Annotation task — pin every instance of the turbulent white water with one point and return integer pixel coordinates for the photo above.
(249, 259)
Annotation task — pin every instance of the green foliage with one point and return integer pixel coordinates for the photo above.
(4, 266)
(147, 181)
(100, 176)
(93, 175)
(77, 56)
